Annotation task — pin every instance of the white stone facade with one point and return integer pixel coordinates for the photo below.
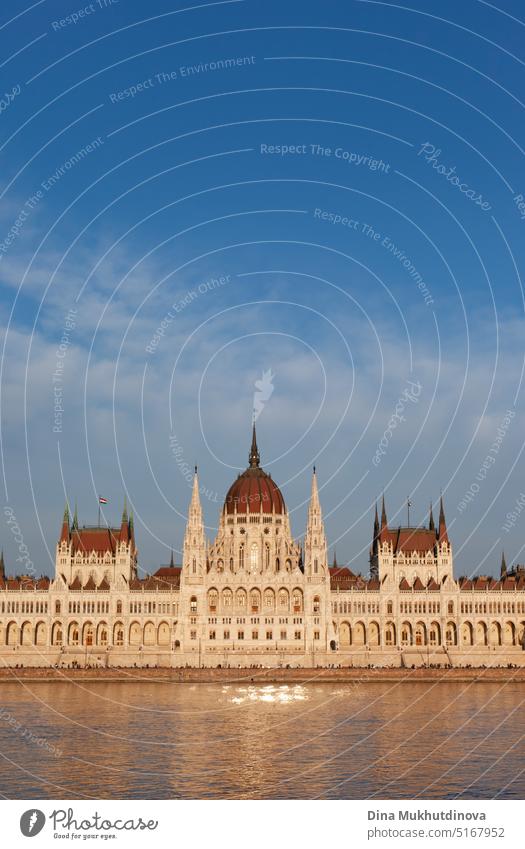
(257, 597)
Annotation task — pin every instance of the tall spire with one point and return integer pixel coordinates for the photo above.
(195, 512)
(316, 553)
(384, 522)
(64, 533)
(172, 564)
(194, 552)
(442, 532)
(125, 511)
(75, 517)
(503, 569)
(314, 493)
(254, 457)
(2, 566)
(375, 536)
(431, 525)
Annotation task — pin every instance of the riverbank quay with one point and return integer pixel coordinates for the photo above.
(263, 676)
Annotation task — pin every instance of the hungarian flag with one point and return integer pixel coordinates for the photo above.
(102, 500)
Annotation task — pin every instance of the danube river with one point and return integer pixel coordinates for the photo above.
(336, 741)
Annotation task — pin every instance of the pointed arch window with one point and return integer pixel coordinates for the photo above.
(254, 557)
(241, 555)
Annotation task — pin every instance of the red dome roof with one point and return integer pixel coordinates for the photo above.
(254, 491)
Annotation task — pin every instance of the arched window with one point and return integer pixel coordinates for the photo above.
(220, 565)
(267, 556)
(194, 565)
(389, 607)
(254, 557)
(283, 598)
(119, 606)
(316, 566)
(255, 601)
(193, 604)
(231, 564)
(57, 607)
(317, 604)
(213, 598)
(227, 598)
(451, 607)
(268, 599)
(277, 564)
(241, 556)
(241, 598)
(297, 601)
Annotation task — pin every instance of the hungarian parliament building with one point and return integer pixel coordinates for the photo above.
(255, 596)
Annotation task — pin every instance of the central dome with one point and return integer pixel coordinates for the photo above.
(254, 491)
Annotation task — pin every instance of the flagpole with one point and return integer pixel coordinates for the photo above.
(408, 511)
(99, 511)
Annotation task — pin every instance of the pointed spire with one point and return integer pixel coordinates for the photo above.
(172, 564)
(75, 517)
(314, 494)
(195, 511)
(2, 566)
(124, 525)
(254, 456)
(334, 564)
(384, 522)
(375, 535)
(64, 533)
(503, 569)
(431, 525)
(442, 532)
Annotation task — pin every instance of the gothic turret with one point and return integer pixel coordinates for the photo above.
(442, 529)
(64, 533)
(315, 540)
(194, 555)
(503, 568)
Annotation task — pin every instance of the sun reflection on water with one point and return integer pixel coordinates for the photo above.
(282, 695)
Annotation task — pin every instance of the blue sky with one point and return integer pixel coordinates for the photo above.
(323, 198)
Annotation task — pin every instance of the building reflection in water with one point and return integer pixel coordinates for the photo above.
(149, 740)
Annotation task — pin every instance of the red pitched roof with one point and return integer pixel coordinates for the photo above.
(403, 584)
(95, 539)
(342, 577)
(169, 576)
(409, 539)
(418, 584)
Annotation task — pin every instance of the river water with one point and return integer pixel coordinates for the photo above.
(164, 740)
